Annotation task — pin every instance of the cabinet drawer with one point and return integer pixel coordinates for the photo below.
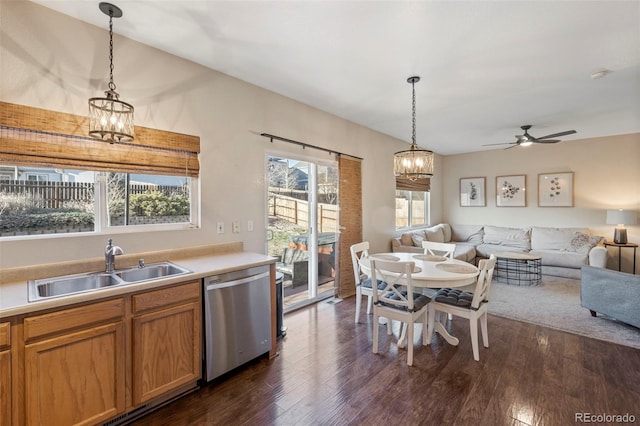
(166, 296)
(67, 319)
(5, 334)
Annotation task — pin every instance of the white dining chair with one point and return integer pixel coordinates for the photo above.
(363, 282)
(439, 249)
(470, 305)
(434, 248)
(398, 301)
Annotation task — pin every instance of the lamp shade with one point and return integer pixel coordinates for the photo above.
(622, 217)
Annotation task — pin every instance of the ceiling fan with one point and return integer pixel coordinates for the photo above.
(527, 139)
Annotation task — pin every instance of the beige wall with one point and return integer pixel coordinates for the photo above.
(51, 61)
(606, 176)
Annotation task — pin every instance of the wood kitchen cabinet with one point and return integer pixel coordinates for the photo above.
(90, 363)
(74, 365)
(166, 350)
(5, 374)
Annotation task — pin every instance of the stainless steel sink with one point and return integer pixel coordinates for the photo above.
(151, 272)
(61, 286)
(71, 284)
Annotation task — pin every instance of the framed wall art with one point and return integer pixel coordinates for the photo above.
(555, 189)
(472, 192)
(511, 191)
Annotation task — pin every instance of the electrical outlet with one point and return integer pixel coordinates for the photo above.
(235, 226)
(220, 227)
(250, 226)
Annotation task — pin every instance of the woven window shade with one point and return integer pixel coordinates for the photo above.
(350, 202)
(421, 185)
(39, 137)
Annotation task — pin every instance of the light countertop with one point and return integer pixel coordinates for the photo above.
(14, 295)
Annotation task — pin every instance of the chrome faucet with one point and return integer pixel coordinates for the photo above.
(110, 253)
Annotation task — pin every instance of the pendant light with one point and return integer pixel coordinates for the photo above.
(414, 163)
(110, 119)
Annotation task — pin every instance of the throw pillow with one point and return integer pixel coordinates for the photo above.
(583, 243)
(406, 239)
(418, 238)
(434, 234)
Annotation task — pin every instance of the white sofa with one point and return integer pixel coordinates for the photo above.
(465, 244)
(563, 250)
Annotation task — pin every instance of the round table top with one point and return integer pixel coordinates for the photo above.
(431, 271)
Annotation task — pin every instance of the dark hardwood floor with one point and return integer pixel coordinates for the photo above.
(326, 374)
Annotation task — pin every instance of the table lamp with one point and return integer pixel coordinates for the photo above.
(620, 218)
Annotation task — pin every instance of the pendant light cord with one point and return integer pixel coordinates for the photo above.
(112, 85)
(413, 116)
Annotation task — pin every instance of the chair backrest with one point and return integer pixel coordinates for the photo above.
(358, 251)
(439, 249)
(481, 293)
(395, 275)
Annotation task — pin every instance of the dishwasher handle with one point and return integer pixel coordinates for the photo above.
(216, 284)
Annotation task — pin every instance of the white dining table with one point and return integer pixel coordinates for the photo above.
(430, 272)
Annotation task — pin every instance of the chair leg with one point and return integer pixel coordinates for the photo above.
(369, 304)
(485, 330)
(375, 332)
(409, 326)
(473, 328)
(358, 304)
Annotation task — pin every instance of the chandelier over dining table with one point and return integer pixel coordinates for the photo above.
(414, 163)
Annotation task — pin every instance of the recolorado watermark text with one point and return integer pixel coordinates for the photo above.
(604, 418)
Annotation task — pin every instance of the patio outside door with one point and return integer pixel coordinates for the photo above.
(302, 227)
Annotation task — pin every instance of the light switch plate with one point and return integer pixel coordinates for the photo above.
(250, 226)
(236, 226)
(220, 227)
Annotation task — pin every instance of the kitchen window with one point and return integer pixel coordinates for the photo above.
(76, 201)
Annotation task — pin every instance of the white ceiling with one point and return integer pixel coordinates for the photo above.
(486, 67)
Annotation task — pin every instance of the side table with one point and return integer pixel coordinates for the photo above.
(518, 268)
(620, 246)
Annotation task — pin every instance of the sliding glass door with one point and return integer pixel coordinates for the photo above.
(302, 225)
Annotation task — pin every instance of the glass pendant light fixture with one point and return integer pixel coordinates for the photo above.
(110, 119)
(414, 163)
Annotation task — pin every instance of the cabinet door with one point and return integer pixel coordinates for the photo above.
(166, 350)
(5, 388)
(76, 378)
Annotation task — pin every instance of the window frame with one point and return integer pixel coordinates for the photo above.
(101, 219)
(427, 210)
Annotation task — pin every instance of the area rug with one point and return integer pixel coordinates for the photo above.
(556, 304)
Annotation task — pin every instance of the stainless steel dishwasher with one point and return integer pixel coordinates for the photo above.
(237, 315)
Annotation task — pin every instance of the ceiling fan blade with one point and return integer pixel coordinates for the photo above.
(503, 143)
(513, 146)
(546, 141)
(555, 135)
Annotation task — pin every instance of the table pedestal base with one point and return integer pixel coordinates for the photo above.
(438, 327)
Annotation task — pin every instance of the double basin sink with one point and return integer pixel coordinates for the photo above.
(47, 288)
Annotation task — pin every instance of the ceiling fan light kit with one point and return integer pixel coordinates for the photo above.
(110, 119)
(600, 73)
(414, 163)
(526, 139)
